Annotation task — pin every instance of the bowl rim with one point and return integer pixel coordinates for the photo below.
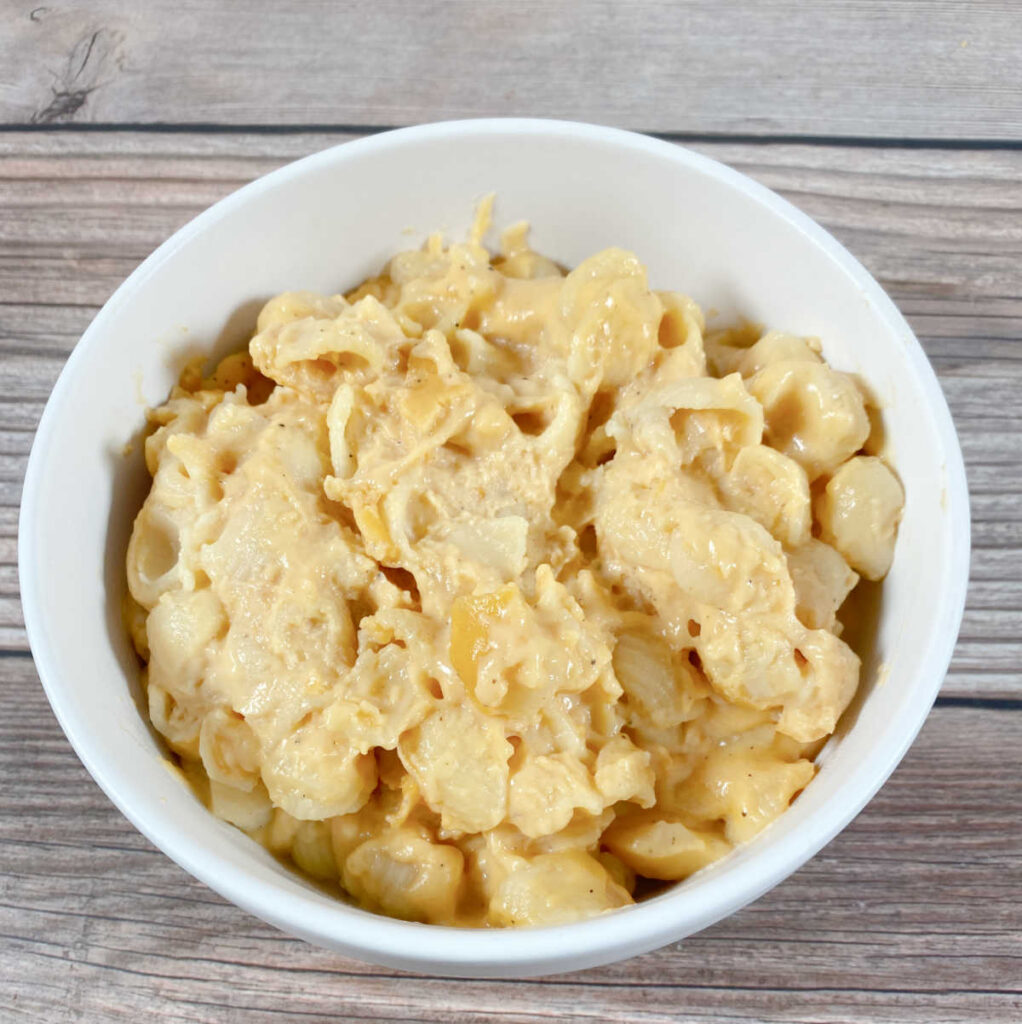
(533, 950)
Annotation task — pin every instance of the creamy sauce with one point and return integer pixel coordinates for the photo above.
(489, 591)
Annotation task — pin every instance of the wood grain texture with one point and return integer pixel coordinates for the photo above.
(912, 914)
(926, 69)
(941, 230)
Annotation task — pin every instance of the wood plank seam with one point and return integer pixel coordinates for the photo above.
(681, 137)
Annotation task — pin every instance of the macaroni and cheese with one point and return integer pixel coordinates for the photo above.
(487, 590)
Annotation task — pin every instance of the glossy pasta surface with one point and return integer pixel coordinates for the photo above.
(489, 590)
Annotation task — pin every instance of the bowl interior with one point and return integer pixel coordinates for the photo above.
(324, 224)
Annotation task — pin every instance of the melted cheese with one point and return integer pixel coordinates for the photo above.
(477, 593)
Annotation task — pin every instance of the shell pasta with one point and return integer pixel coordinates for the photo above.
(488, 589)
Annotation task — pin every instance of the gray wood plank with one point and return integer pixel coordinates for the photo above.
(941, 229)
(914, 68)
(912, 914)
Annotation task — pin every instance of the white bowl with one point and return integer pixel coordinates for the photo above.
(326, 222)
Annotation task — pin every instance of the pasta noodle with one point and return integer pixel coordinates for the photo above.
(488, 589)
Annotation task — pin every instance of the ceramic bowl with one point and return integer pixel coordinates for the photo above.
(326, 222)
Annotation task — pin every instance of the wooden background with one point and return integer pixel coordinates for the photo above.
(898, 125)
